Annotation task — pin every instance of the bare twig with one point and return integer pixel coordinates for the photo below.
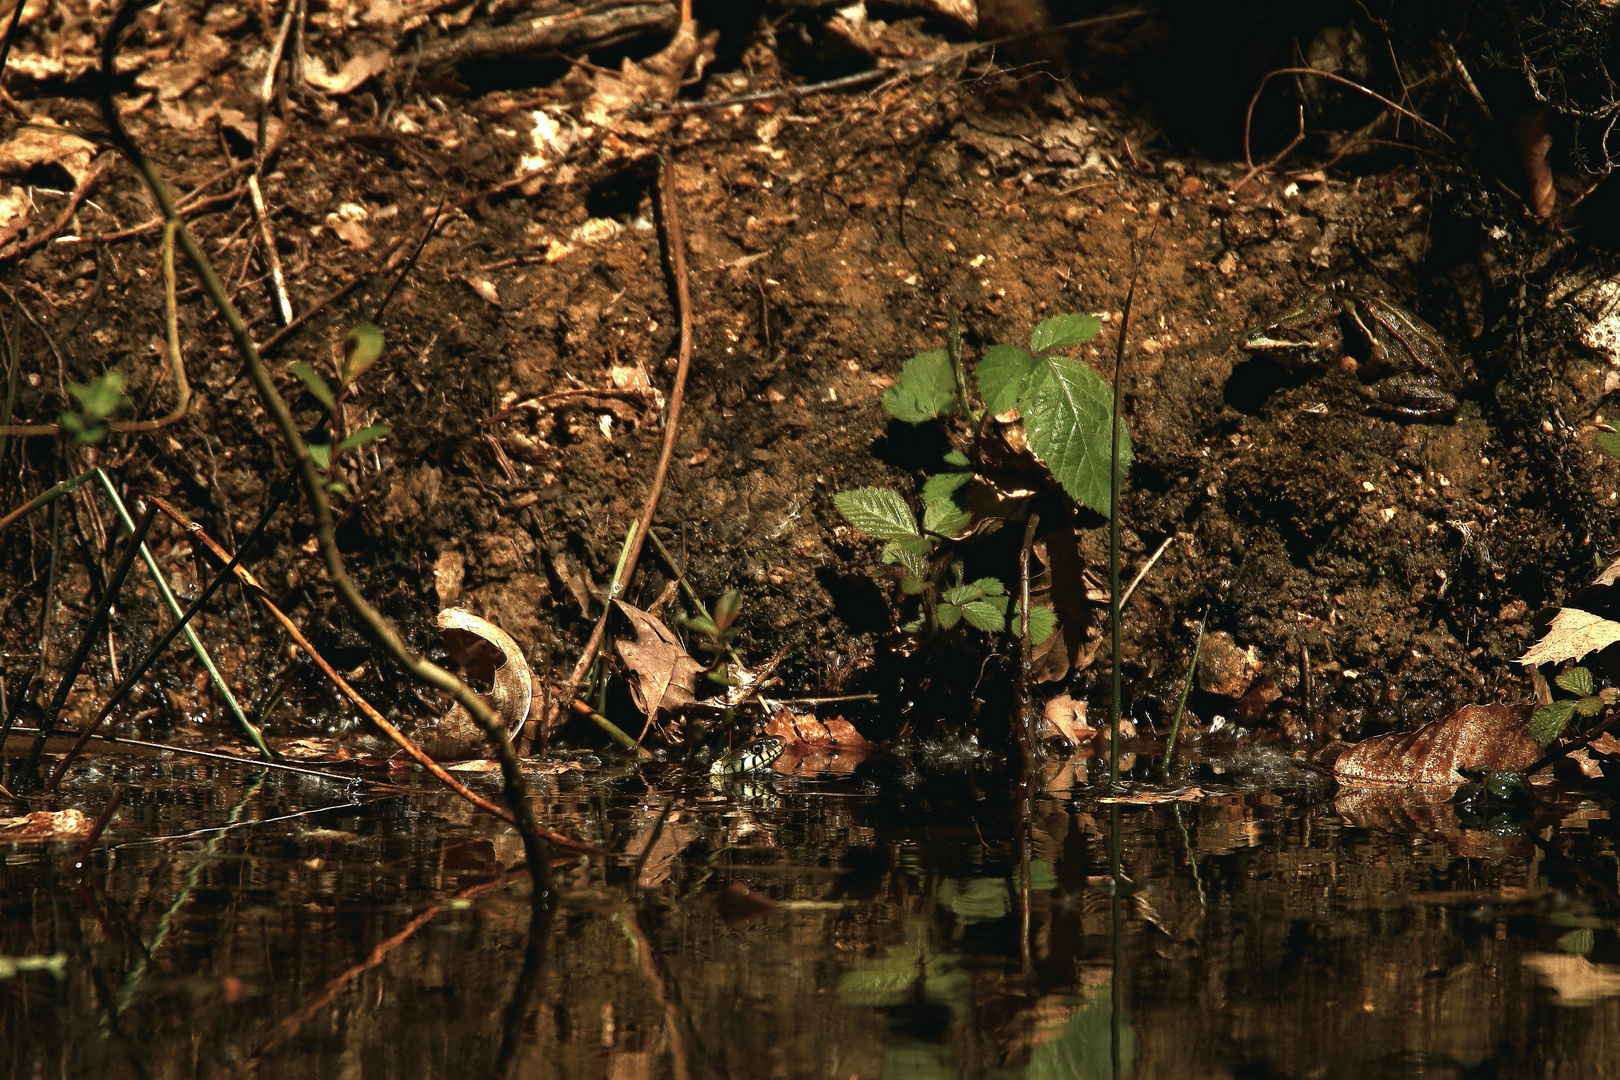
(1142, 573)
(197, 535)
(115, 582)
(676, 248)
(80, 191)
(572, 27)
(372, 621)
(272, 257)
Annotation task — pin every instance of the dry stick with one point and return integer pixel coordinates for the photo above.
(80, 191)
(874, 74)
(197, 535)
(1248, 116)
(377, 627)
(87, 640)
(1142, 573)
(11, 34)
(190, 206)
(99, 827)
(683, 295)
(24, 691)
(238, 715)
(1026, 740)
(267, 241)
(173, 632)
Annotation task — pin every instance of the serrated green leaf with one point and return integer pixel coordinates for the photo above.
(912, 586)
(990, 586)
(914, 562)
(1609, 443)
(912, 627)
(321, 454)
(1062, 331)
(919, 545)
(1066, 414)
(926, 388)
(315, 383)
(877, 512)
(1589, 706)
(363, 436)
(1549, 721)
(1003, 376)
(957, 458)
(949, 615)
(983, 615)
(945, 518)
(1577, 680)
(1042, 621)
(961, 594)
(362, 345)
(943, 485)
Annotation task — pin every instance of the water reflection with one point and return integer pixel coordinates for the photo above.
(824, 931)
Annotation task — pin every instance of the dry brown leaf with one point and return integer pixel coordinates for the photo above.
(1573, 634)
(1065, 717)
(1150, 798)
(1610, 574)
(483, 287)
(488, 654)
(1575, 979)
(246, 130)
(663, 674)
(173, 80)
(42, 144)
(657, 78)
(363, 65)
(811, 746)
(44, 825)
(1473, 737)
(354, 234)
(1530, 135)
(14, 204)
(738, 904)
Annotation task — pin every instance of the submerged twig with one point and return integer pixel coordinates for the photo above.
(676, 252)
(378, 628)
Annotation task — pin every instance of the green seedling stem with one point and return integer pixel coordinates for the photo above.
(1115, 683)
(1181, 704)
(953, 349)
(616, 589)
(234, 707)
(87, 639)
(45, 498)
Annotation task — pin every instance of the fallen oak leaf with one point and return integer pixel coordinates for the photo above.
(1474, 737)
(663, 674)
(1573, 634)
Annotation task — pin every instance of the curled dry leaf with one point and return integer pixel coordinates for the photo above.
(40, 144)
(1064, 717)
(1473, 737)
(487, 654)
(44, 825)
(1573, 634)
(363, 65)
(658, 78)
(663, 674)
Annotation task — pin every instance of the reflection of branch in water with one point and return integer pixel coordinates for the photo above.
(677, 1025)
(1192, 859)
(525, 992)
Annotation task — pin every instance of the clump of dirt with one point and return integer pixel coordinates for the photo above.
(1383, 571)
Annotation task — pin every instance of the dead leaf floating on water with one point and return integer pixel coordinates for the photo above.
(1574, 633)
(1473, 737)
(810, 745)
(663, 674)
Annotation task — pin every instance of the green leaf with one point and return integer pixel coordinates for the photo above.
(943, 485)
(1042, 621)
(315, 383)
(1577, 680)
(945, 518)
(727, 608)
(985, 614)
(1062, 331)
(1609, 443)
(338, 488)
(1580, 942)
(912, 585)
(926, 388)
(1003, 376)
(102, 398)
(321, 454)
(1589, 706)
(878, 512)
(912, 627)
(961, 594)
(1548, 722)
(990, 586)
(957, 458)
(362, 345)
(916, 563)
(699, 624)
(363, 436)
(1067, 411)
(949, 615)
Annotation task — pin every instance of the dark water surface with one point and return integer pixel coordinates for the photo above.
(238, 923)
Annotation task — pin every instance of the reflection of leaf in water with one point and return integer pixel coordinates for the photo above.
(984, 899)
(918, 1061)
(1082, 1049)
(906, 974)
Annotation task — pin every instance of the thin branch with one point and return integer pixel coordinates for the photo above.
(377, 627)
(676, 243)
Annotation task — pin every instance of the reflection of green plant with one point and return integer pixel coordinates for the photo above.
(98, 403)
(906, 974)
(1061, 410)
(1082, 1050)
(1549, 721)
(985, 899)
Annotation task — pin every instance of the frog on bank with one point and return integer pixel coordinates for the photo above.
(1404, 366)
